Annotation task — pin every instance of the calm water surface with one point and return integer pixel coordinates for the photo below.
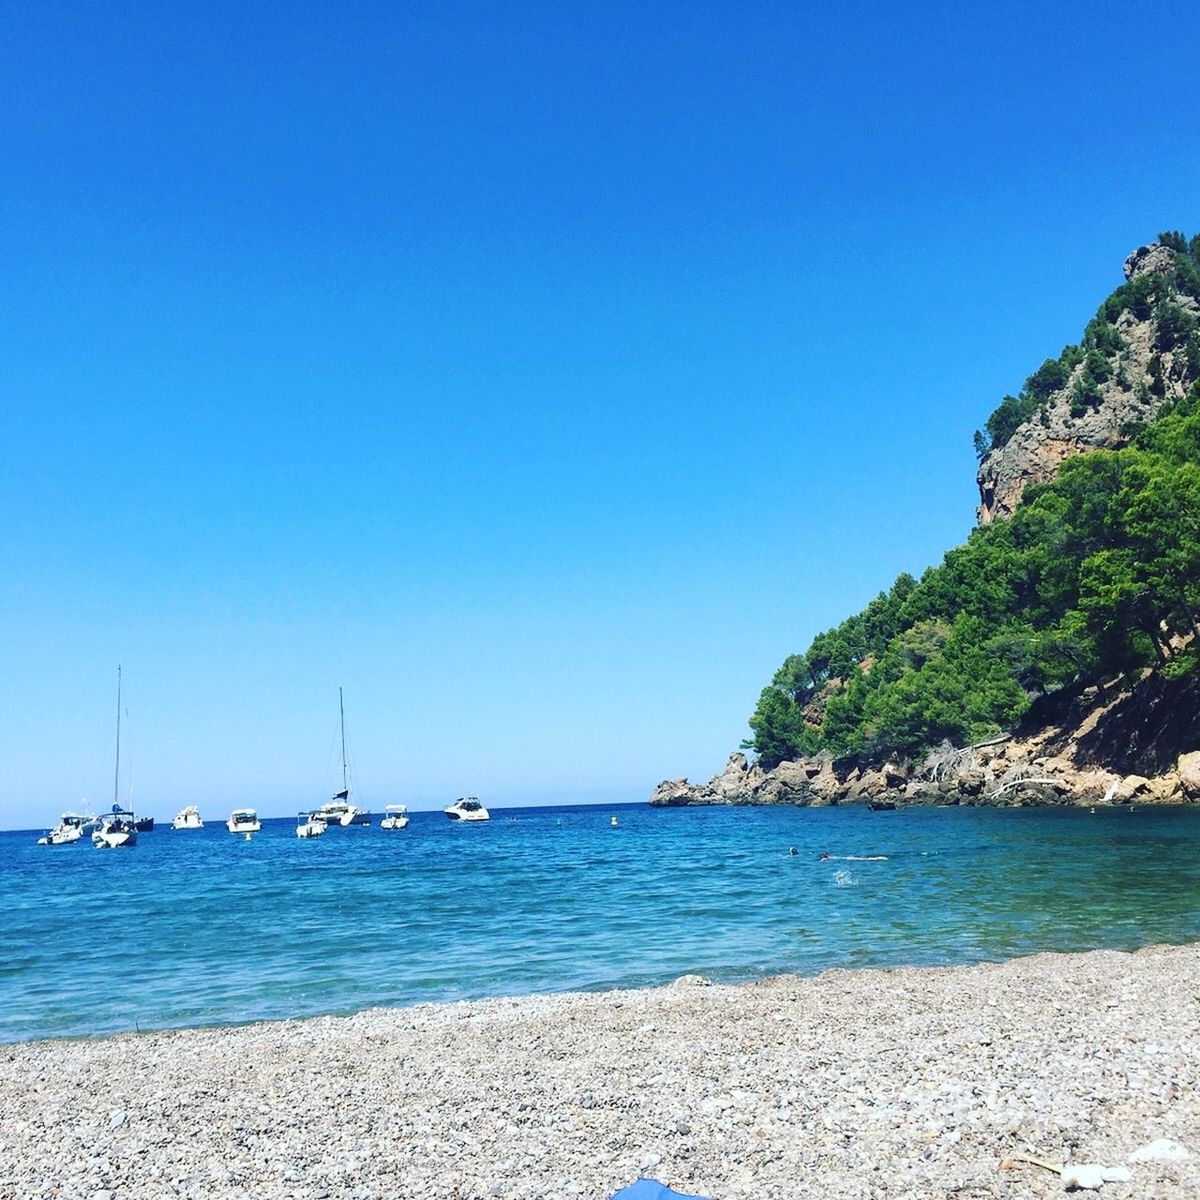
(200, 927)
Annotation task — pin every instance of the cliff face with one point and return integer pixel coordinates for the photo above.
(1142, 379)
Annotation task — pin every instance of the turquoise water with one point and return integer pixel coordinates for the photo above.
(200, 927)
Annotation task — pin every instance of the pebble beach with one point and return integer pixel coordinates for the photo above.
(868, 1083)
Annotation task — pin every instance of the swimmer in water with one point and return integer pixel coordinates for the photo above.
(824, 856)
(792, 851)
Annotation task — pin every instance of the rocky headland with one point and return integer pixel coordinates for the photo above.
(1094, 715)
(1140, 745)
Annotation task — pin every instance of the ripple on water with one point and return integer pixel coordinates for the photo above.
(208, 928)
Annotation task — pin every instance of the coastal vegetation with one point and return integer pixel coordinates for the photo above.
(1095, 576)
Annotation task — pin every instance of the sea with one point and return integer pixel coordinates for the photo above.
(200, 927)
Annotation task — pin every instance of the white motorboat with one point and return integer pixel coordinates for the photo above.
(188, 818)
(309, 825)
(467, 808)
(395, 816)
(339, 810)
(117, 830)
(243, 820)
(70, 829)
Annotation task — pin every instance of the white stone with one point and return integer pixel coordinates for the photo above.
(1092, 1175)
(1162, 1150)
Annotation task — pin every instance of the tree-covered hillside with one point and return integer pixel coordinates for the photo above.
(1096, 574)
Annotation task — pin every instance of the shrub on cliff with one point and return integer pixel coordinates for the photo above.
(1147, 297)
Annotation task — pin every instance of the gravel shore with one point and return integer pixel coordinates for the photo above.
(898, 1083)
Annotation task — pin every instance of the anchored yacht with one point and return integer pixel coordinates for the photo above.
(117, 829)
(188, 818)
(243, 820)
(339, 810)
(70, 829)
(467, 808)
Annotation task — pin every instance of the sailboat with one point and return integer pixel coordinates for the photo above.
(339, 810)
(119, 827)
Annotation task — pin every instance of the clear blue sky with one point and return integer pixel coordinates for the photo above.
(541, 373)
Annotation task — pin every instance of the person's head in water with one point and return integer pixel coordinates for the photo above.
(793, 851)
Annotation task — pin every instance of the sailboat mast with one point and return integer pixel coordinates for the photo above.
(342, 714)
(117, 769)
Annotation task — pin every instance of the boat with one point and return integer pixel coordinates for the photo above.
(881, 805)
(243, 820)
(467, 808)
(117, 829)
(395, 816)
(144, 824)
(188, 818)
(70, 829)
(309, 825)
(339, 810)
(613, 822)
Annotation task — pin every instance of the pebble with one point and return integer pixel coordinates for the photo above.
(1160, 1150)
(897, 1083)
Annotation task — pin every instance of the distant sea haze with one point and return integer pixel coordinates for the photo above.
(200, 927)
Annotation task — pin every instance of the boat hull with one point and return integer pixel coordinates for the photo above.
(343, 815)
(105, 839)
(62, 837)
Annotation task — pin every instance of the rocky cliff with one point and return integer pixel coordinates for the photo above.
(1137, 745)
(1144, 374)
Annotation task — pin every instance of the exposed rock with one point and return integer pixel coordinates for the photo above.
(1188, 770)
(1112, 746)
(788, 783)
(690, 981)
(826, 787)
(1059, 431)
(1154, 259)
(675, 792)
(738, 779)
(1133, 786)
(1144, 729)
(971, 782)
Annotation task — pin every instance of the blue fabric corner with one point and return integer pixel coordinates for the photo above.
(649, 1189)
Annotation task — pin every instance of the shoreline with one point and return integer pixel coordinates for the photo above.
(1001, 773)
(854, 1082)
